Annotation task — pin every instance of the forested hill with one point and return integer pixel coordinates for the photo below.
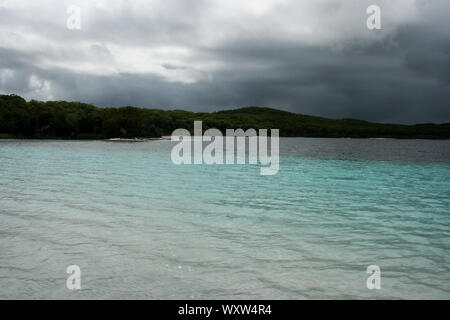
(74, 120)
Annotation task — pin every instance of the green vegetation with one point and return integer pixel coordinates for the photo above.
(74, 120)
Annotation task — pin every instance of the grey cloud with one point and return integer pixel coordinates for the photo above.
(173, 67)
(403, 76)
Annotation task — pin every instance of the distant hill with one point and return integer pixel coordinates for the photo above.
(75, 120)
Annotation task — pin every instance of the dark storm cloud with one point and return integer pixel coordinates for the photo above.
(197, 57)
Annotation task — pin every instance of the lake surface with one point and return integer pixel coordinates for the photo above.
(141, 227)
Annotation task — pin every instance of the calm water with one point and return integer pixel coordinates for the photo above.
(140, 227)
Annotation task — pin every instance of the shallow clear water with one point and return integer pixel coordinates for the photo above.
(140, 227)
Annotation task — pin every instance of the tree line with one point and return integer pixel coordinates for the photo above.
(75, 120)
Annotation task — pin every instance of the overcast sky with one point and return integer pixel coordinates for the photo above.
(307, 56)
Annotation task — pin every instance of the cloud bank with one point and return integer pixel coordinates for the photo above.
(312, 56)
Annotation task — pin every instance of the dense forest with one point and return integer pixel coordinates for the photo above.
(74, 120)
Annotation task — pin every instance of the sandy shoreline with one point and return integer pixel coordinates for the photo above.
(133, 139)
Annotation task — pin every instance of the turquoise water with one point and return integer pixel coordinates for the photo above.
(140, 227)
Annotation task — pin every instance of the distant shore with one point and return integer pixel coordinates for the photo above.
(20, 119)
(133, 139)
(168, 139)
